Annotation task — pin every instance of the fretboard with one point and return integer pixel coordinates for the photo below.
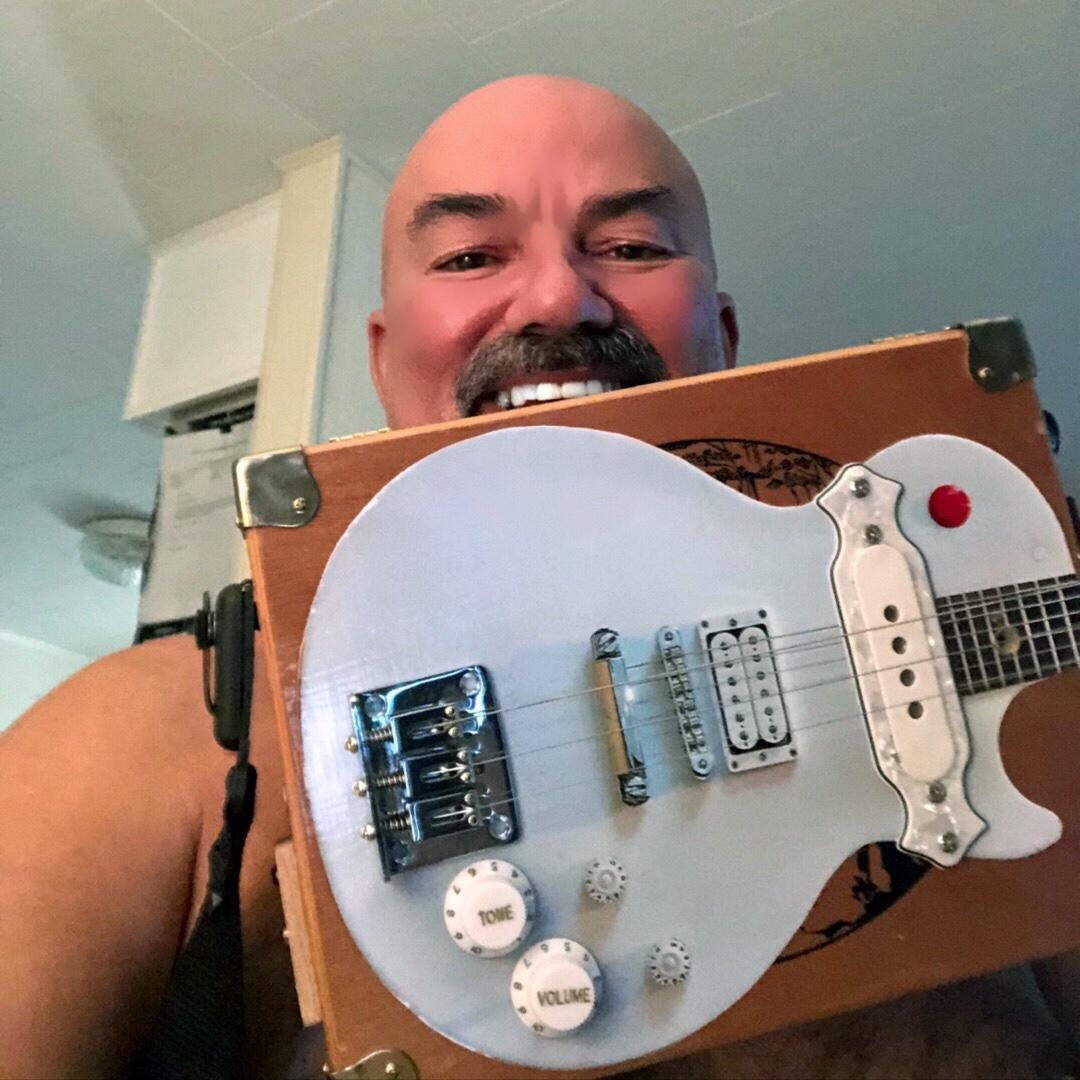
(1011, 634)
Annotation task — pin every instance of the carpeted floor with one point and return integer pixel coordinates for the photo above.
(993, 1028)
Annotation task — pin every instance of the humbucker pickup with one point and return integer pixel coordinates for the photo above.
(435, 771)
(753, 719)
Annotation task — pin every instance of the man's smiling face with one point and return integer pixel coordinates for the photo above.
(543, 231)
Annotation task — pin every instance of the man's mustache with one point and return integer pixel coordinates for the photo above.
(618, 353)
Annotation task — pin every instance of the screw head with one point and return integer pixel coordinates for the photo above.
(352, 744)
(872, 534)
(299, 504)
(359, 788)
(860, 487)
(937, 792)
(949, 842)
(369, 832)
(500, 827)
(984, 374)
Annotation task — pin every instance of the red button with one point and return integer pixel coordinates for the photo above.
(949, 506)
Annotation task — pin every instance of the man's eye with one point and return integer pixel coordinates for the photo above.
(636, 252)
(465, 260)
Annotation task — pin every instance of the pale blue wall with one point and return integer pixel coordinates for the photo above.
(347, 401)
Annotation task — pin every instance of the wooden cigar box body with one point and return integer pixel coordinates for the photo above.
(885, 923)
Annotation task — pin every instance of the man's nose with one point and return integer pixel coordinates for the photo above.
(555, 297)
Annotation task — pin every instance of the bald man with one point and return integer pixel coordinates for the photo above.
(544, 238)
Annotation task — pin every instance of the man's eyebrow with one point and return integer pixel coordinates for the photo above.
(657, 197)
(453, 204)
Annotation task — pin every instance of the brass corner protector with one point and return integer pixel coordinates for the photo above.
(381, 1065)
(999, 354)
(276, 488)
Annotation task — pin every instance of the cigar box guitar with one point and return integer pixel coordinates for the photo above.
(579, 734)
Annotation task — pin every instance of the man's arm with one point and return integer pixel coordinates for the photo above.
(103, 790)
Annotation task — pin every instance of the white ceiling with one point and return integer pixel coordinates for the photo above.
(872, 168)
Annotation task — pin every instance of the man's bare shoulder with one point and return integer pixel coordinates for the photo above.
(164, 675)
(104, 785)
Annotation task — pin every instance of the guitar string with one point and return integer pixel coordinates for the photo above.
(954, 606)
(1033, 637)
(1065, 582)
(673, 736)
(665, 737)
(667, 717)
(980, 610)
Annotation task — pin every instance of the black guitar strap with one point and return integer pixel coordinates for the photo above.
(199, 1031)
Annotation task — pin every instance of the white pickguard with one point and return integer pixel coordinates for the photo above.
(509, 550)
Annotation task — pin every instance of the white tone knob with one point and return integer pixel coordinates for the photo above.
(489, 908)
(555, 987)
(669, 963)
(605, 880)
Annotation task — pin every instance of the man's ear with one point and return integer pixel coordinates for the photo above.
(729, 328)
(376, 336)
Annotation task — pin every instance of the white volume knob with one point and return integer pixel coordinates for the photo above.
(556, 987)
(489, 908)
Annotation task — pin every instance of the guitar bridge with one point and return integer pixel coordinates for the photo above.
(435, 770)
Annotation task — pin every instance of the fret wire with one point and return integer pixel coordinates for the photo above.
(1051, 640)
(1053, 620)
(959, 600)
(961, 653)
(1069, 623)
(982, 680)
(975, 643)
(1028, 605)
(1016, 658)
(1041, 634)
(990, 630)
(953, 647)
(1060, 623)
(1046, 634)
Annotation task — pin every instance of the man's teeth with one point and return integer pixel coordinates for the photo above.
(526, 393)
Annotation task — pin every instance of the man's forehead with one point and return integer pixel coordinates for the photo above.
(531, 176)
(575, 139)
(542, 143)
